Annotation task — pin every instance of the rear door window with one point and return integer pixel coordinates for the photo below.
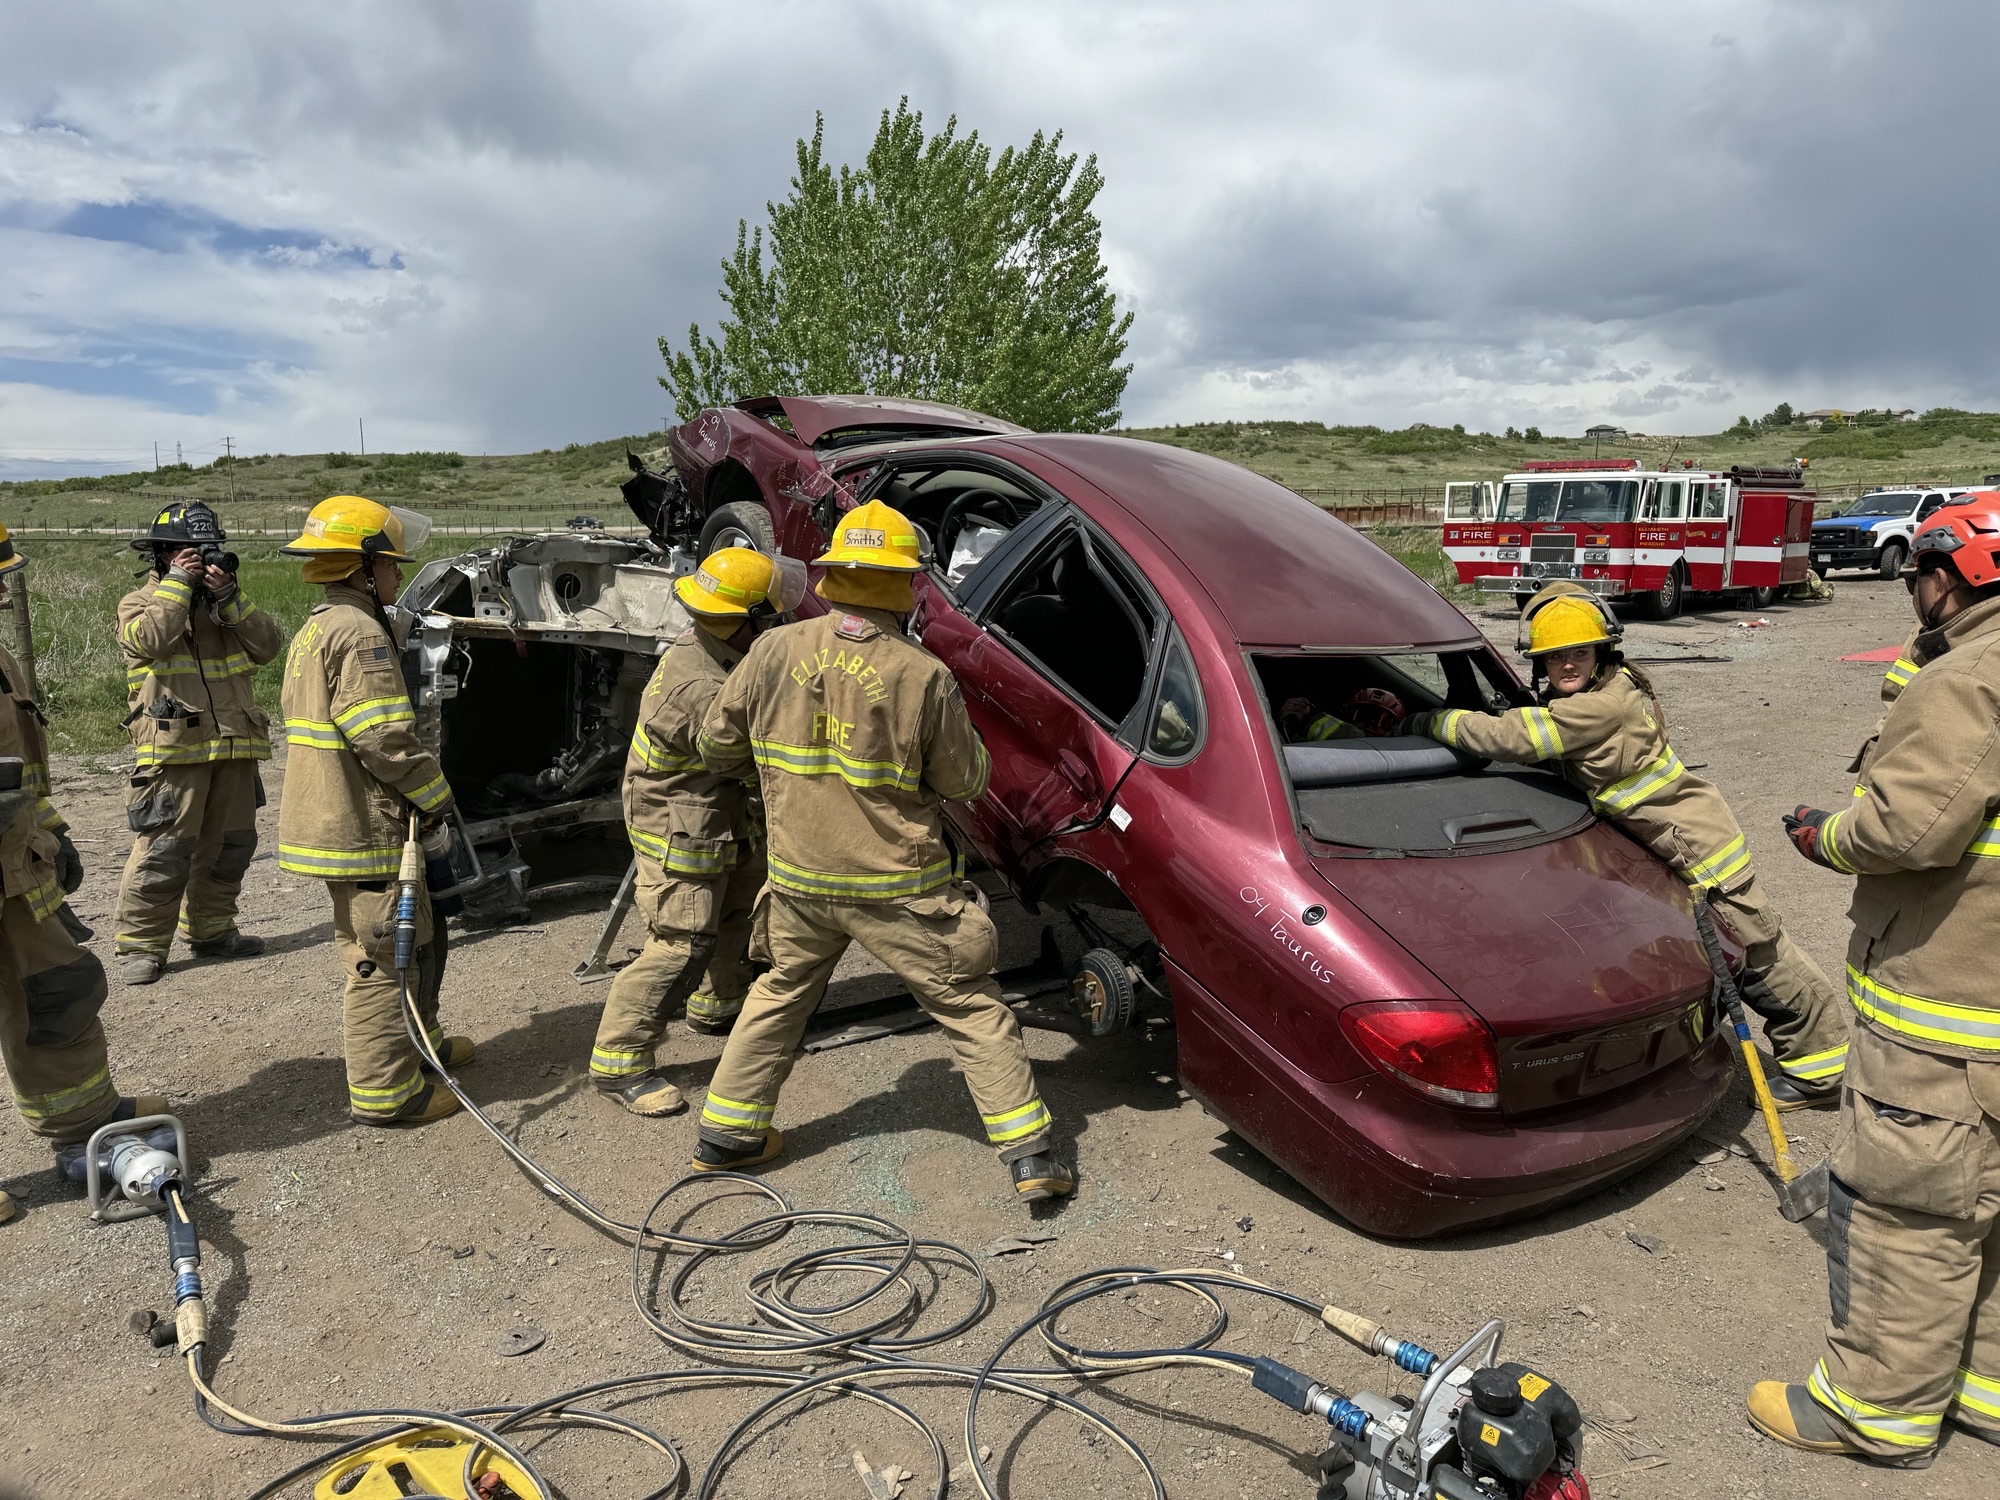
(1075, 610)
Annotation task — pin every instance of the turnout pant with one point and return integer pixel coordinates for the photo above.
(196, 829)
(943, 947)
(1805, 1017)
(1913, 1249)
(51, 991)
(382, 1062)
(696, 931)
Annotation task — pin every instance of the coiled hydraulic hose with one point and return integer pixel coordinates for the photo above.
(878, 1330)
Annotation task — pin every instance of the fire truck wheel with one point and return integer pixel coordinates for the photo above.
(1891, 563)
(1761, 598)
(1664, 602)
(1521, 602)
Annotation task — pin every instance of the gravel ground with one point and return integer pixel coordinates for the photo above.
(351, 1267)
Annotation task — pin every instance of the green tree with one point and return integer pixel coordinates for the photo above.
(935, 270)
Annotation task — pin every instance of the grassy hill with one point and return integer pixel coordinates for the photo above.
(76, 580)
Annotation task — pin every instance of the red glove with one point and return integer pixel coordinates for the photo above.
(1802, 827)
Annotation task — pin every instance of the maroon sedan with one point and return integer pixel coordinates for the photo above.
(1438, 992)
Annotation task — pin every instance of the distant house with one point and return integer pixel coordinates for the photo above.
(1824, 415)
(1603, 432)
(1904, 414)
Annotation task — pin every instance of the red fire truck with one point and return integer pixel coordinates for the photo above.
(1648, 537)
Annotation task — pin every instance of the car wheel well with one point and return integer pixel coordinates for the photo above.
(728, 482)
(1071, 882)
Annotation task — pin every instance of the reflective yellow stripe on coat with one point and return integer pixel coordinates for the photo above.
(1623, 796)
(340, 864)
(1900, 674)
(828, 887)
(1731, 860)
(828, 760)
(1973, 1026)
(656, 759)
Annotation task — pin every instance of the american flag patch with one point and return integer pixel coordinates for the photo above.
(380, 653)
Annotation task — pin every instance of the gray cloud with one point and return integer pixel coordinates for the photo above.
(467, 220)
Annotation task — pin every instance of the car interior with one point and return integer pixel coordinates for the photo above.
(1071, 608)
(962, 513)
(1359, 783)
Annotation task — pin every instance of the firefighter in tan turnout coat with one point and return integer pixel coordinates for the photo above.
(856, 734)
(192, 644)
(1602, 728)
(51, 989)
(354, 772)
(698, 861)
(1913, 1242)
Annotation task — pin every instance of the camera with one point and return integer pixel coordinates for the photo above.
(206, 536)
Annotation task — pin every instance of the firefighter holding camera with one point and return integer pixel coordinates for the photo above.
(192, 645)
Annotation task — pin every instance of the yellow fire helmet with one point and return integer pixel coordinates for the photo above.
(360, 528)
(729, 582)
(873, 536)
(10, 559)
(1568, 619)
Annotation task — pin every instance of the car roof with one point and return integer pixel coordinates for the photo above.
(813, 417)
(1280, 569)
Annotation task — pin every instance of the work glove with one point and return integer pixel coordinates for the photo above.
(69, 865)
(1802, 827)
(1418, 723)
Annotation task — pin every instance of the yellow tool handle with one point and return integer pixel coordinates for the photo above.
(1780, 1147)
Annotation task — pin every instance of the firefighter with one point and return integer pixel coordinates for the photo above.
(51, 988)
(1371, 713)
(699, 866)
(1601, 723)
(192, 644)
(354, 772)
(857, 734)
(1913, 1211)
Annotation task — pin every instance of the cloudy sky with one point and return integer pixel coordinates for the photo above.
(467, 221)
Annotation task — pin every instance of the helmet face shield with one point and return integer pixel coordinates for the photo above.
(416, 528)
(788, 584)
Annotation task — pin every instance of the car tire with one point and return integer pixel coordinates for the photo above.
(1666, 601)
(741, 523)
(1890, 563)
(1104, 993)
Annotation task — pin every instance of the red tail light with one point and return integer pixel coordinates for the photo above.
(1437, 1047)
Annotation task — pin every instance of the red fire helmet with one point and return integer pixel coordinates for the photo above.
(1967, 532)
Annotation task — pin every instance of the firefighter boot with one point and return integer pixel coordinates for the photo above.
(649, 1094)
(1041, 1176)
(709, 1157)
(454, 1052)
(231, 944)
(140, 968)
(429, 1103)
(1789, 1414)
(1789, 1094)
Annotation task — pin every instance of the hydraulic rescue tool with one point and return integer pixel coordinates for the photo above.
(1800, 1194)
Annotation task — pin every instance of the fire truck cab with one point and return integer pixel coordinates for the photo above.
(1650, 538)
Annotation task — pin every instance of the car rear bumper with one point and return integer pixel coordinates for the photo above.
(1395, 1165)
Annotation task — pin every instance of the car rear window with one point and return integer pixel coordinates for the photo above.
(1364, 787)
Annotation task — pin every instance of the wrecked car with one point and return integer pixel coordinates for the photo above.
(1438, 992)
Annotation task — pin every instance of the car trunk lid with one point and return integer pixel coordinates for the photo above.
(1579, 952)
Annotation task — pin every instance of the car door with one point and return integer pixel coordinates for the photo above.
(1055, 649)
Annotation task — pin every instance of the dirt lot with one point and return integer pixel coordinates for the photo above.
(352, 1267)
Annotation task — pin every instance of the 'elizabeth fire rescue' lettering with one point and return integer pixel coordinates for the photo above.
(853, 663)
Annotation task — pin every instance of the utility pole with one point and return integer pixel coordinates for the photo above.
(362, 428)
(177, 453)
(229, 452)
(156, 455)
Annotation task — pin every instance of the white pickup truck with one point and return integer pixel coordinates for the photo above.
(1875, 531)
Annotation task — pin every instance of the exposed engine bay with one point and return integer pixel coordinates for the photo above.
(525, 663)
